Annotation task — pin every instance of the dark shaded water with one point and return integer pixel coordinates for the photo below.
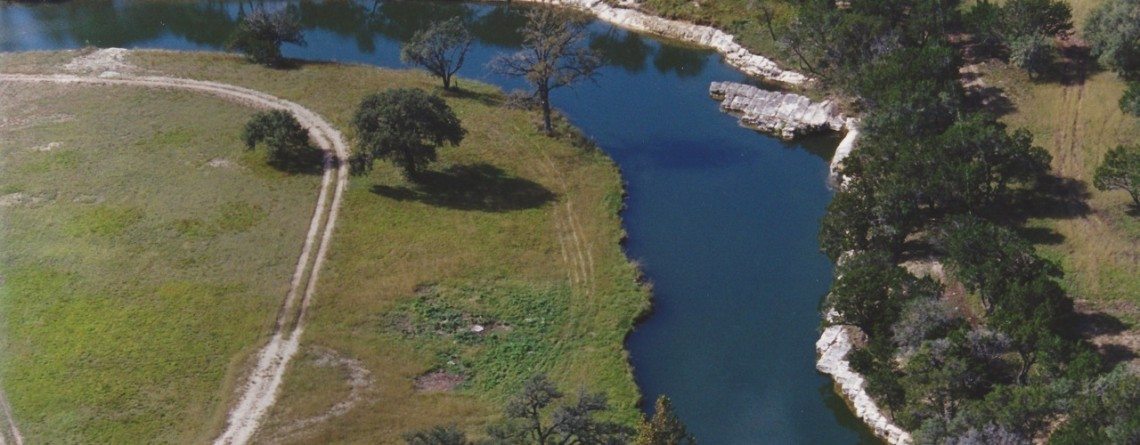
(724, 220)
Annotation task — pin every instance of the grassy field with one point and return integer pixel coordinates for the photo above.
(1077, 119)
(512, 231)
(145, 254)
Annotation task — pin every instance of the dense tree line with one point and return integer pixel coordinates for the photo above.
(934, 177)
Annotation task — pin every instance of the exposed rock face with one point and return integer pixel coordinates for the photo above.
(843, 150)
(724, 43)
(833, 347)
(784, 114)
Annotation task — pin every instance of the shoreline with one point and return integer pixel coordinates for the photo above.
(835, 341)
(734, 54)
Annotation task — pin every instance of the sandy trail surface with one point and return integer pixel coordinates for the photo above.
(259, 391)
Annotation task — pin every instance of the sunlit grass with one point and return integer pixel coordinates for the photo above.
(121, 323)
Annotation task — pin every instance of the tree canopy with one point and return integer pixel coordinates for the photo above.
(554, 55)
(285, 140)
(405, 125)
(260, 34)
(1113, 31)
(441, 48)
(1120, 170)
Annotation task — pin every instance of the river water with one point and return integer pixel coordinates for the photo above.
(722, 219)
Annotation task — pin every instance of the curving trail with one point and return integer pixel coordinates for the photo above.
(260, 390)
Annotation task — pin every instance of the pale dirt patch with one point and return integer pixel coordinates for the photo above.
(22, 199)
(104, 61)
(47, 147)
(220, 163)
(355, 374)
(439, 381)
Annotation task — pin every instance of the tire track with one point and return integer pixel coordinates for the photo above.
(581, 260)
(260, 390)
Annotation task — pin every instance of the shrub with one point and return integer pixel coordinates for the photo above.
(286, 141)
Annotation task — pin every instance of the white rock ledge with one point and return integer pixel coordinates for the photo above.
(784, 114)
(833, 347)
(724, 43)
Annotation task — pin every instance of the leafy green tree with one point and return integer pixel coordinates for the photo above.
(1104, 412)
(439, 435)
(1130, 101)
(1029, 17)
(870, 290)
(260, 34)
(940, 377)
(405, 125)
(1113, 31)
(1034, 53)
(984, 21)
(285, 140)
(534, 419)
(440, 49)
(1120, 170)
(988, 258)
(553, 56)
(923, 319)
(665, 428)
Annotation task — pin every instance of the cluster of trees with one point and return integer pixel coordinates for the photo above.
(1113, 31)
(554, 54)
(1023, 30)
(541, 415)
(933, 177)
(554, 51)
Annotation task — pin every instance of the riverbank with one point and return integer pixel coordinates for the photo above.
(735, 54)
(535, 230)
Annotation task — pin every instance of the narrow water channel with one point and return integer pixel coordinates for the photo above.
(723, 219)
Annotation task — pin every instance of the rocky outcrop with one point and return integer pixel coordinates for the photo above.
(783, 114)
(724, 43)
(843, 150)
(833, 347)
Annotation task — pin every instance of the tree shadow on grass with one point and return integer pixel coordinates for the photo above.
(489, 99)
(481, 187)
(1090, 324)
(308, 162)
(1054, 197)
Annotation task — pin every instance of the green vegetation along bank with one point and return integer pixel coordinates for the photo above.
(971, 333)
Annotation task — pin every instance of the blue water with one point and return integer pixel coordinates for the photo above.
(723, 219)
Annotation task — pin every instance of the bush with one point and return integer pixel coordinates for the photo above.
(1120, 170)
(1034, 53)
(286, 141)
(1130, 102)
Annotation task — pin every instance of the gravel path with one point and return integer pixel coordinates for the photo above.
(260, 389)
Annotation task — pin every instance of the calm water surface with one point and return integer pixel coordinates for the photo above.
(724, 220)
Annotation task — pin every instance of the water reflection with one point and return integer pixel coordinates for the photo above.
(207, 24)
(680, 61)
